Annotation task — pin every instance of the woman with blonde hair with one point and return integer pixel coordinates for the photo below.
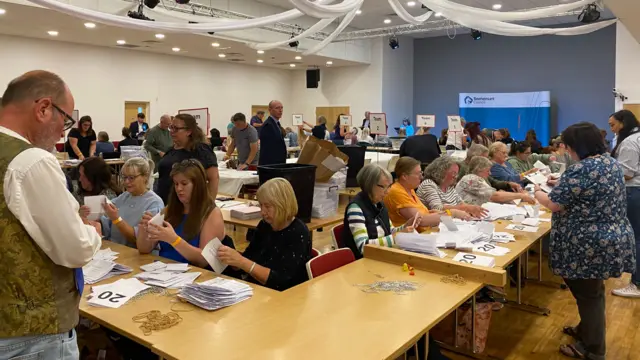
(191, 218)
(281, 246)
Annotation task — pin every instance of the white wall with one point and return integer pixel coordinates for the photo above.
(397, 82)
(627, 65)
(102, 79)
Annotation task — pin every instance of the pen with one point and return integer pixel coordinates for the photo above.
(415, 218)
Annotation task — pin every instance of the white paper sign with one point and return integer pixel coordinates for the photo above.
(474, 259)
(378, 123)
(210, 253)
(454, 123)
(201, 115)
(297, 119)
(425, 120)
(345, 120)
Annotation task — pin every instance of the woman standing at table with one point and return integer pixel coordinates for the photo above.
(591, 237)
(281, 246)
(123, 216)
(81, 141)
(191, 218)
(502, 169)
(188, 143)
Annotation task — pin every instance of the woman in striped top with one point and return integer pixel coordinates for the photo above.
(438, 190)
(366, 220)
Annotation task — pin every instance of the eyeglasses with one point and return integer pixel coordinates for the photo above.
(128, 178)
(176, 128)
(68, 119)
(384, 188)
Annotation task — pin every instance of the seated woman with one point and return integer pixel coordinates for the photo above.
(438, 190)
(281, 246)
(103, 145)
(402, 202)
(503, 170)
(522, 159)
(191, 218)
(481, 150)
(127, 139)
(95, 178)
(124, 214)
(474, 188)
(366, 220)
(215, 140)
(365, 138)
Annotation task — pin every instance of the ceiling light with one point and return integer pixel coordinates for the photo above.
(52, 33)
(358, 12)
(159, 36)
(260, 51)
(215, 44)
(89, 25)
(393, 42)
(292, 65)
(438, 14)
(497, 6)
(222, 55)
(411, 3)
(121, 42)
(475, 34)
(175, 49)
(2, 11)
(260, 61)
(298, 57)
(387, 21)
(329, 62)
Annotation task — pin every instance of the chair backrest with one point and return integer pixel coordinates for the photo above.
(336, 236)
(391, 166)
(314, 253)
(327, 262)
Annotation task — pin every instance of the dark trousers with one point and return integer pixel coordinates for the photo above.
(633, 213)
(589, 295)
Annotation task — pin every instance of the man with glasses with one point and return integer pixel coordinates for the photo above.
(43, 241)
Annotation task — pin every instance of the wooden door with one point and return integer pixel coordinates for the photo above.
(634, 108)
(331, 113)
(131, 110)
(256, 108)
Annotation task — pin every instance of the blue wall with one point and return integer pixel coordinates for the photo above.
(579, 71)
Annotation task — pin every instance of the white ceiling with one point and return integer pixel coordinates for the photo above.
(628, 12)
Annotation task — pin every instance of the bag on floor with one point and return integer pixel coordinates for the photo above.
(443, 332)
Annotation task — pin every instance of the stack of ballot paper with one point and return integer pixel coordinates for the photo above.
(168, 279)
(420, 243)
(228, 204)
(158, 266)
(105, 254)
(245, 212)
(502, 211)
(97, 270)
(216, 293)
(115, 294)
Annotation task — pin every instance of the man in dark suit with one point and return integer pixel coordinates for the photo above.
(138, 128)
(272, 147)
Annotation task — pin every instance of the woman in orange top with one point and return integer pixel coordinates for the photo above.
(403, 203)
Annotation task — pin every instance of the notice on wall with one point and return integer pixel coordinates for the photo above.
(454, 123)
(297, 119)
(201, 115)
(378, 123)
(426, 121)
(345, 120)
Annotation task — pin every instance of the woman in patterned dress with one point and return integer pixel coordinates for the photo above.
(591, 237)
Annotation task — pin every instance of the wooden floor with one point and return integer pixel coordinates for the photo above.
(518, 335)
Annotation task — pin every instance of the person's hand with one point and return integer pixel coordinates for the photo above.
(410, 222)
(536, 188)
(161, 153)
(80, 157)
(553, 182)
(97, 225)
(531, 171)
(84, 211)
(242, 167)
(230, 256)
(226, 157)
(162, 233)
(146, 217)
(528, 199)
(476, 211)
(459, 214)
(409, 229)
(552, 158)
(111, 210)
(515, 187)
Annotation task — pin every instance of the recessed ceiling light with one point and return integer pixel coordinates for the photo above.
(121, 42)
(260, 61)
(358, 12)
(292, 65)
(222, 55)
(387, 21)
(411, 3)
(52, 33)
(215, 44)
(260, 51)
(298, 57)
(89, 25)
(175, 49)
(2, 11)
(329, 62)
(497, 6)
(438, 14)
(159, 36)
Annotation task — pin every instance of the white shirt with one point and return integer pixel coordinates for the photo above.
(628, 155)
(36, 193)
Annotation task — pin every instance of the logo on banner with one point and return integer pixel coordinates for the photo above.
(468, 100)
(479, 100)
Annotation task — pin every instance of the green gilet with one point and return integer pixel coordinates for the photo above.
(37, 297)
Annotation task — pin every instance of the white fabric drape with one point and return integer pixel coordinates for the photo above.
(312, 30)
(345, 22)
(404, 14)
(320, 11)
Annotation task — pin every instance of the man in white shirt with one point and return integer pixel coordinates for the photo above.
(43, 241)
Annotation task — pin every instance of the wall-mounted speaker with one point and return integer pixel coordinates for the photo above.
(313, 78)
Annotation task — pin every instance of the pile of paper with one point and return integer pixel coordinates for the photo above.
(502, 237)
(245, 212)
(216, 293)
(172, 276)
(105, 254)
(97, 270)
(420, 243)
(502, 211)
(160, 266)
(115, 294)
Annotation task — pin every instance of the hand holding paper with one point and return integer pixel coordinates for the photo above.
(210, 253)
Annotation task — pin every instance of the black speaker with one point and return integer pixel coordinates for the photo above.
(313, 78)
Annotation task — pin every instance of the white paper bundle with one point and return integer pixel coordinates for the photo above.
(216, 293)
(105, 254)
(502, 211)
(97, 270)
(245, 212)
(420, 243)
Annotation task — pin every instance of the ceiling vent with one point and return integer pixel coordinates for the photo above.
(128, 46)
(152, 42)
(236, 60)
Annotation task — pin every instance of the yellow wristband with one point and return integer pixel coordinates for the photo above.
(117, 221)
(448, 212)
(175, 243)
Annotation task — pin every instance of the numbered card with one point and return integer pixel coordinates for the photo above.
(454, 123)
(491, 249)
(297, 119)
(116, 294)
(378, 123)
(345, 120)
(425, 121)
(474, 259)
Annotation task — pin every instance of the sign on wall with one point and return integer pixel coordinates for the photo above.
(378, 123)
(297, 119)
(345, 120)
(426, 121)
(201, 115)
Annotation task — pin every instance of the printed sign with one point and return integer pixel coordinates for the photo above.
(345, 120)
(425, 121)
(378, 123)
(201, 115)
(297, 119)
(454, 123)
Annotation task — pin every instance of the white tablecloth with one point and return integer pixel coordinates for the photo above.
(231, 181)
(220, 155)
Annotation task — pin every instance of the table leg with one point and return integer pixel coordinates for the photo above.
(473, 324)
(518, 303)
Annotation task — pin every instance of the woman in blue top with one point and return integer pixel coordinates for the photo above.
(191, 218)
(591, 237)
(124, 213)
(502, 169)
(408, 128)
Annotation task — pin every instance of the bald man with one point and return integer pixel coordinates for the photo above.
(43, 241)
(159, 140)
(272, 147)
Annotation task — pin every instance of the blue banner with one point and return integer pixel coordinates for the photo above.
(518, 112)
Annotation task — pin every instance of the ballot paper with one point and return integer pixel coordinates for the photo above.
(420, 243)
(532, 211)
(530, 222)
(177, 267)
(173, 280)
(115, 294)
(491, 249)
(502, 211)
(156, 265)
(486, 261)
(96, 206)
(157, 219)
(539, 165)
(210, 253)
(524, 228)
(448, 222)
(216, 293)
(105, 254)
(97, 270)
(537, 178)
(502, 237)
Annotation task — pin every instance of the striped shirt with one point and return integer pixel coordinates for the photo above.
(355, 217)
(434, 198)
